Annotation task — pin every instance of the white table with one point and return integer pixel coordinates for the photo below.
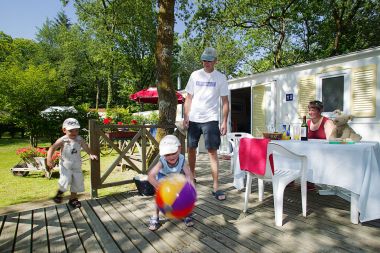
(355, 167)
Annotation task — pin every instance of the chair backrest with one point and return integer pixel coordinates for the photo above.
(234, 138)
(277, 149)
(253, 156)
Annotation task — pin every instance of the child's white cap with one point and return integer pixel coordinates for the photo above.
(70, 123)
(169, 145)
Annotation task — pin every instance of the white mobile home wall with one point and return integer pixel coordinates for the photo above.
(285, 81)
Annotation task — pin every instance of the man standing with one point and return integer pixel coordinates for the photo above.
(204, 89)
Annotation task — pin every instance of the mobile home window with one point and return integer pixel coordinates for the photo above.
(333, 93)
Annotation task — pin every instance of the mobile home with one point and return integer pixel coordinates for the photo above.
(347, 82)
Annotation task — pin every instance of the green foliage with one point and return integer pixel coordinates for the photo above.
(152, 118)
(28, 91)
(5, 46)
(123, 115)
(280, 33)
(119, 114)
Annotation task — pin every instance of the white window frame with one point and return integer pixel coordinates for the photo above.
(346, 96)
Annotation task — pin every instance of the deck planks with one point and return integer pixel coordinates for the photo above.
(24, 232)
(102, 236)
(119, 223)
(120, 214)
(122, 241)
(7, 236)
(85, 232)
(72, 240)
(54, 230)
(39, 238)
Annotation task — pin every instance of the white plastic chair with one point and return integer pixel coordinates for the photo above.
(239, 176)
(281, 177)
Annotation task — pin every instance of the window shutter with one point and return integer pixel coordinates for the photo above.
(258, 111)
(306, 93)
(363, 91)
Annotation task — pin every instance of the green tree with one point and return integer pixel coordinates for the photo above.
(5, 46)
(29, 91)
(122, 46)
(281, 33)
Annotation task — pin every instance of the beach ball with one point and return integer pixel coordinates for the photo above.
(175, 196)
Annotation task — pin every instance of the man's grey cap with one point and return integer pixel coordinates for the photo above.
(209, 54)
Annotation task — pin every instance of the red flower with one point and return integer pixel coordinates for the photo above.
(107, 120)
(134, 122)
(31, 152)
(41, 152)
(120, 123)
(26, 152)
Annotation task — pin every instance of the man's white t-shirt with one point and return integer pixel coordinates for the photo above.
(206, 89)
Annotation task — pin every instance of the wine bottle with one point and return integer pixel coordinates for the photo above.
(304, 129)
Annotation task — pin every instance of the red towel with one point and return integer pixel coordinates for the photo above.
(253, 155)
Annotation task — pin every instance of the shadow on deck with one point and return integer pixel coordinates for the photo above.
(118, 223)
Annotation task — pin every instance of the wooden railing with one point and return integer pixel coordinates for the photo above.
(137, 135)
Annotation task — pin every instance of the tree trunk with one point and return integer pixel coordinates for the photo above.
(110, 85)
(167, 100)
(97, 93)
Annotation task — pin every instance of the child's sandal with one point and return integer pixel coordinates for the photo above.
(188, 221)
(75, 203)
(58, 198)
(154, 224)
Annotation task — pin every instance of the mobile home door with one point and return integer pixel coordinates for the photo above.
(263, 99)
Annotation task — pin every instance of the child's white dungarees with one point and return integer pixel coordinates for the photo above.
(71, 165)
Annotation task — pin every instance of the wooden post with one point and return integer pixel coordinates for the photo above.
(143, 149)
(95, 164)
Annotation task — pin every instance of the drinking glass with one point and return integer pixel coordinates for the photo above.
(296, 132)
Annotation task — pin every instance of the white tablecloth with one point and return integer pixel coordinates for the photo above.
(355, 167)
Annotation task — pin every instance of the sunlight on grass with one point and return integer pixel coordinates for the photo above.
(35, 187)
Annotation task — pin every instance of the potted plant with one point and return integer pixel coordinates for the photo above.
(122, 133)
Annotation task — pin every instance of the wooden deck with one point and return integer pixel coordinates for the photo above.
(118, 223)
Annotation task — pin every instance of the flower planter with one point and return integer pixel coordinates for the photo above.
(29, 164)
(121, 135)
(33, 159)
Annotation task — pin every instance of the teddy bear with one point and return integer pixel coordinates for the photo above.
(342, 130)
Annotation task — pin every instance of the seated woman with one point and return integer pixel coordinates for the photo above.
(320, 127)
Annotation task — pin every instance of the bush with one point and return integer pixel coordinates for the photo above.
(119, 114)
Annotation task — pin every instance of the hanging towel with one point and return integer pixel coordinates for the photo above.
(253, 155)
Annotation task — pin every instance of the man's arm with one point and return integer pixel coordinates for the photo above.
(187, 106)
(226, 110)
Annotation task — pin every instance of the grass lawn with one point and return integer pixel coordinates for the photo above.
(35, 187)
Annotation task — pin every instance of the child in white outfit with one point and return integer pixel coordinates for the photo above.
(171, 161)
(70, 164)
